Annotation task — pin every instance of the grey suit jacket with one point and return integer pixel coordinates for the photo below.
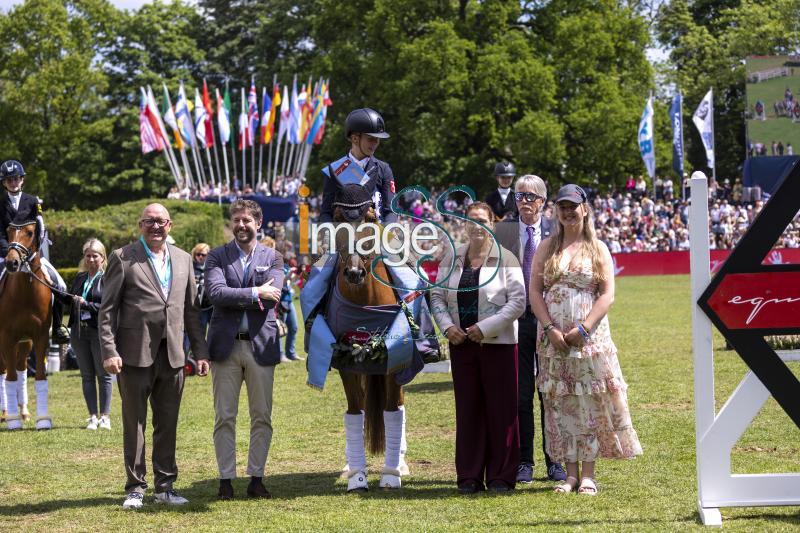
(507, 232)
(231, 297)
(134, 315)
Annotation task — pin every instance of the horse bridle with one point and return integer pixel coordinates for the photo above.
(26, 254)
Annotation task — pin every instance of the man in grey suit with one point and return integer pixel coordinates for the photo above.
(243, 281)
(148, 300)
(522, 236)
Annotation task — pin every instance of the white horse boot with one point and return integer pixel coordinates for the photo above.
(12, 419)
(393, 429)
(356, 454)
(403, 467)
(346, 468)
(43, 420)
(22, 393)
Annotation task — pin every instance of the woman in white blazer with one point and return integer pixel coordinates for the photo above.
(477, 309)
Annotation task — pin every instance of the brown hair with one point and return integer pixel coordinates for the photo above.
(480, 205)
(249, 205)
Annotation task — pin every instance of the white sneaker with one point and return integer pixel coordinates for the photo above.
(170, 497)
(92, 424)
(134, 500)
(105, 422)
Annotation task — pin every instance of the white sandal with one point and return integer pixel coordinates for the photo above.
(567, 487)
(588, 487)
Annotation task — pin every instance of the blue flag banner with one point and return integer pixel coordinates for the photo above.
(345, 170)
(676, 120)
(646, 142)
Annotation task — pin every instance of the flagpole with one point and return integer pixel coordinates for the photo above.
(244, 145)
(187, 167)
(683, 152)
(210, 170)
(261, 143)
(198, 168)
(713, 140)
(277, 158)
(216, 158)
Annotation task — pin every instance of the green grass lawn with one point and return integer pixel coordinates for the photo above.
(71, 478)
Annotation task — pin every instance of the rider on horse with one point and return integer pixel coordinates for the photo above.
(18, 207)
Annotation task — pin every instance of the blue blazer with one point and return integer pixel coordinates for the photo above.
(231, 297)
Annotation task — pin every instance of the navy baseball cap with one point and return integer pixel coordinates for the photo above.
(571, 193)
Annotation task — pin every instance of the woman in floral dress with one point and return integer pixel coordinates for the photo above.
(585, 399)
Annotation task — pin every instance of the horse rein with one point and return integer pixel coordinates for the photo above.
(26, 256)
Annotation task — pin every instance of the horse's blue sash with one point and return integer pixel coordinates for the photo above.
(401, 344)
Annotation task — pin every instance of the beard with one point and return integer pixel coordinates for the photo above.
(245, 236)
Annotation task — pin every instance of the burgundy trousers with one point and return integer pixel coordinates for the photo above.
(487, 428)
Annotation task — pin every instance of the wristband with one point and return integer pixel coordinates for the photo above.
(582, 330)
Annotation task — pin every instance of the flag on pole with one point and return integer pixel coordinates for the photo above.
(244, 129)
(266, 109)
(199, 118)
(676, 120)
(169, 117)
(148, 135)
(276, 101)
(209, 142)
(294, 116)
(155, 117)
(283, 127)
(252, 113)
(646, 143)
(183, 117)
(704, 121)
(326, 100)
(302, 101)
(224, 117)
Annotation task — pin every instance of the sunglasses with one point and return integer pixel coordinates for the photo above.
(527, 196)
(200, 254)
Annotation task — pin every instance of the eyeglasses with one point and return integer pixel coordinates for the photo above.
(527, 196)
(200, 254)
(150, 222)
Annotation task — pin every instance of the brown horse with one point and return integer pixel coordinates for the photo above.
(374, 400)
(25, 305)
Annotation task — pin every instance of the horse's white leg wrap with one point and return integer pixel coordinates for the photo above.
(393, 424)
(2, 392)
(14, 421)
(346, 469)
(403, 467)
(22, 385)
(42, 418)
(356, 453)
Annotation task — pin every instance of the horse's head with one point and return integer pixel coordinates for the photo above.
(353, 205)
(23, 245)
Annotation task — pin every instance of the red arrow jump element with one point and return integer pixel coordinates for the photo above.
(759, 300)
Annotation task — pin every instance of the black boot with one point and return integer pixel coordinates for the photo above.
(60, 333)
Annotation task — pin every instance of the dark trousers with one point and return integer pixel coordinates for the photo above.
(163, 386)
(528, 368)
(487, 433)
(85, 342)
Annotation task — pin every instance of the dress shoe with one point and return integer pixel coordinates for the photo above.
(225, 490)
(468, 487)
(256, 489)
(500, 487)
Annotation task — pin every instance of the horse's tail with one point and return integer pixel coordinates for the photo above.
(373, 417)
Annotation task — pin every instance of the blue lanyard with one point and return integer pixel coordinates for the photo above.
(87, 285)
(164, 280)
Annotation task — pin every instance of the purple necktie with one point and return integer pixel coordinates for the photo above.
(527, 260)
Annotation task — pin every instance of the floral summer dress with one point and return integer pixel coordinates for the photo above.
(586, 412)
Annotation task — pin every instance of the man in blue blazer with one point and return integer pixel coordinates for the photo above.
(243, 280)
(522, 235)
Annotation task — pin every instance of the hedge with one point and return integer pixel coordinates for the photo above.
(116, 226)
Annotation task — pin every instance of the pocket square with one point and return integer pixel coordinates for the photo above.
(262, 268)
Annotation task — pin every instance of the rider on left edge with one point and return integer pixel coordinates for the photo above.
(17, 207)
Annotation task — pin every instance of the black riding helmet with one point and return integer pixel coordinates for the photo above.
(11, 169)
(504, 168)
(365, 120)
